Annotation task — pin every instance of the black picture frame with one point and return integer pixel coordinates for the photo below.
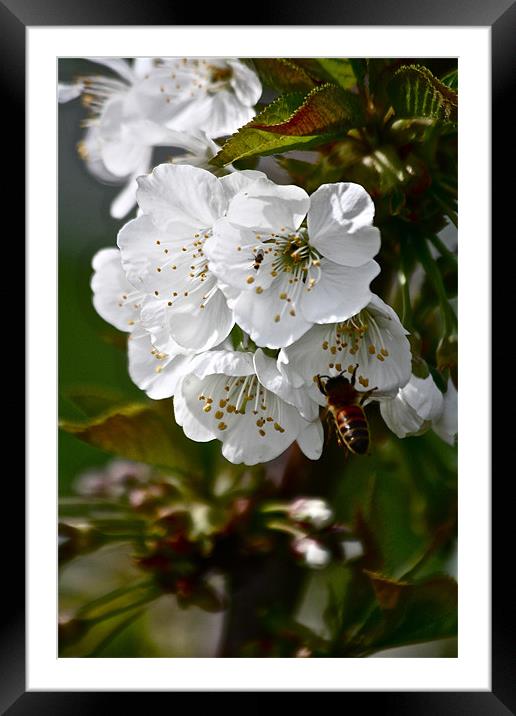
(500, 16)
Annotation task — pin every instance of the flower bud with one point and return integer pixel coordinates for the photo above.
(312, 511)
(314, 555)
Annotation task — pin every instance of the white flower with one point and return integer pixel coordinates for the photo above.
(133, 113)
(314, 554)
(241, 400)
(447, 425)
(419, 406)
(163, 254)
(311, 510)
(279, 277)
(116, 300)
(211, 94)
(375, 340)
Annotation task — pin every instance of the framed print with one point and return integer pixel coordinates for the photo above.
(259, 283)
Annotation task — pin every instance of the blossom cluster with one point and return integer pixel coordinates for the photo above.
(238, 292)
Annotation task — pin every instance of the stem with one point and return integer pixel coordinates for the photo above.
(403, 278)
(448, 210)
(119, 628)
(111, 596)
(425, 257)
(149, 597)
(443, 249)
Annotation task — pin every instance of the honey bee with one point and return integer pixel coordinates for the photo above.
(345, 407)
(258, 260)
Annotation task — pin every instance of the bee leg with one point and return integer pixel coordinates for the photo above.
(354, 375)
(366, 395)
(320, 384)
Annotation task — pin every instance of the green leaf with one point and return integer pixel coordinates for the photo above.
(325, 109)
(138, 431)
(406, 613)
(283, 74)
(92, 401)
(250, 141)
(338, 70)
(451, 79)
(415, 92)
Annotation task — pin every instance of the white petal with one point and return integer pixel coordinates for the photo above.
(181, 197)
(90, 149)
(116, 64)
(123, 159)
(271, 378)
(400, 417)
(339, 214)
(232, 363)
(306, 357)
(265, 206)
(202, 329)
(193, 429)
(424, 397)
(349, 249)
(267, 318)
(245, 82)
(142, 66)
(340, 293)
(155, 373)
(140, 243)
(114, 297)
(232, 254)
(446, 426)
(67, 91)
(311, 440)
(126, 199)
(414, 408)
(239, 181)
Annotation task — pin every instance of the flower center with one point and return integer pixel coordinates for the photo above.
(361, 327)
(345, 341)
(232, 397)
(291, 256)
(97, 91)
(294, 254)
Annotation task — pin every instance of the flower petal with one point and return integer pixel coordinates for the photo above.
(446, 426)
(245, 83)
(114, 297)
(266, 317)
(400, 417)
(116, 64)
(239, 181)
(67, 91)
(271, 378)
(424, 397)
(311, 440)
(265, 206)
(154, 372)
(340, 293)
(202, 329)
(414, 408)
(340, 224)
(232, 252)
(126, 199)
(181, 197)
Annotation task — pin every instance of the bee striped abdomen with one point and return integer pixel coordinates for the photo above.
(353, 428)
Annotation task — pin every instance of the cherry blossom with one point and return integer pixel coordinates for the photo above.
(229, 395)
(280, 276)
